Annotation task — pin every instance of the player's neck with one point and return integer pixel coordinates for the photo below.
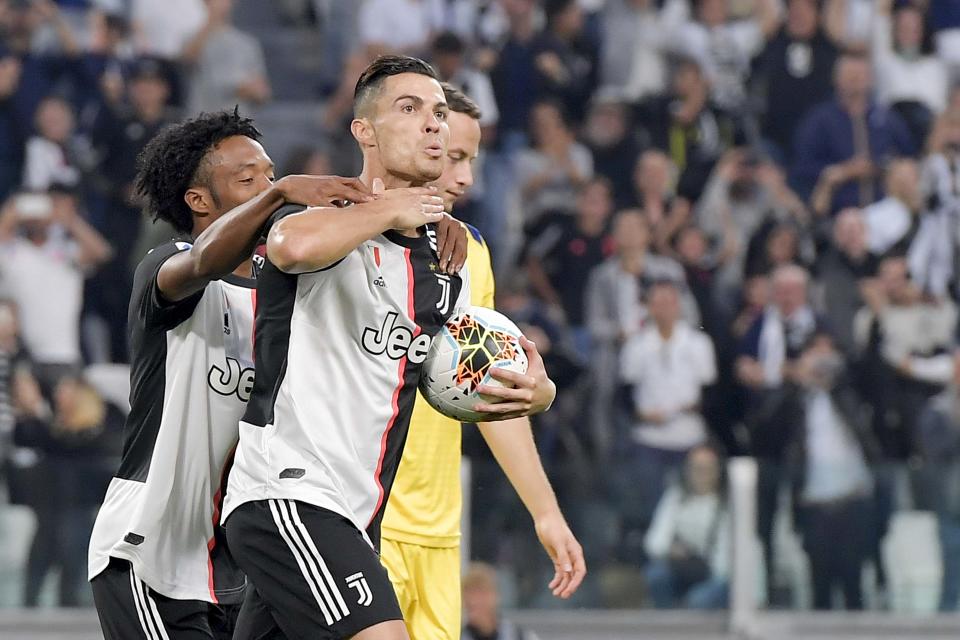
(390, 181)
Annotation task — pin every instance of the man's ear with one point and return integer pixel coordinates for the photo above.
(363, 132)
(199, 200)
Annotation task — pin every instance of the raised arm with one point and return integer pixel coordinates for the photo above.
(231, 239)
(319, 237)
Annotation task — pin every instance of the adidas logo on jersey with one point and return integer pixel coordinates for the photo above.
(396, 341)
(380, 282)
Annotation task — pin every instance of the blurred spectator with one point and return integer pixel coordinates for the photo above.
(834, 484)
(688, 542)
(615, 311)
(932, 254)
(48, 155)
(14, 123)
(514, 75)
(849, 22)
(635, 35)
(481, 607)
(775, 245)
(448, 54)
(910, 78)
(562, 255)
(753, 302)
(119, 135)
(14, 360)
(227, 64)
(745, 194)
(550, 173)
(395, 26)
(666, 366)
(614, 145)
(565, 61)
(78, 441)
(939, 436)
(843, 142)
(654, 193)
(793, 73)
(48, 247)
(893, 222)
(165, 28)
(904, 343)
(701, 265)
(768, 354)
(687, 126)
(841, 271)
(723, 48)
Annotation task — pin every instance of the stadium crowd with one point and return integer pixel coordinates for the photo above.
(732, 227)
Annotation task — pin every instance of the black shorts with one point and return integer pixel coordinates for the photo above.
(311, 570)
(130, 610)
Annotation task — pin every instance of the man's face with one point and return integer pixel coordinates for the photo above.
(410, 130)
(664, 305)
(149, 93)
(240, 170)
(462, 150)
(802, 18)
(789, 294)
(853, 78)
(630, 232)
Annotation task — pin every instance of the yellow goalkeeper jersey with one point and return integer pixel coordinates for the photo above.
(425, 501)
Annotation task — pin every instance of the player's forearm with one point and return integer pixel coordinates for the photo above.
(319, 237)
(231, 239)
(512, 444)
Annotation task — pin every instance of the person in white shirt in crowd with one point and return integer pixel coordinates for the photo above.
(892, 222)
(616, 312)
(666, 367)
(227, 65)
(904, 64)
(48, 248)
(914, 333)
(164, 28)
(689, 540)
(550, 172)
(47, 159)
(724, 48)
(635, 35)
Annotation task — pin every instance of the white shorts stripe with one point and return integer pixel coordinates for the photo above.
(318, 558)
(288, 509)
(147, 631)
(301, 562)
(155, 612)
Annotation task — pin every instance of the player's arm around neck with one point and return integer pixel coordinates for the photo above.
(231, 238)
(319, 237)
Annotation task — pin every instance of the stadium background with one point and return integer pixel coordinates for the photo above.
(707, 143)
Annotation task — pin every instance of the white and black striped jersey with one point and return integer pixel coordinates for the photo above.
(338, 358)
(191, 376)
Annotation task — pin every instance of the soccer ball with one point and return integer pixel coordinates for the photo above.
(461, 357)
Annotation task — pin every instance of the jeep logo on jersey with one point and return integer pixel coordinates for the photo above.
(234, 381)
(396, 341)
(358, 582)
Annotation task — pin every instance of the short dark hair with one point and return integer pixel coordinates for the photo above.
(371, 80)
(460, 102)
(176, 159)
